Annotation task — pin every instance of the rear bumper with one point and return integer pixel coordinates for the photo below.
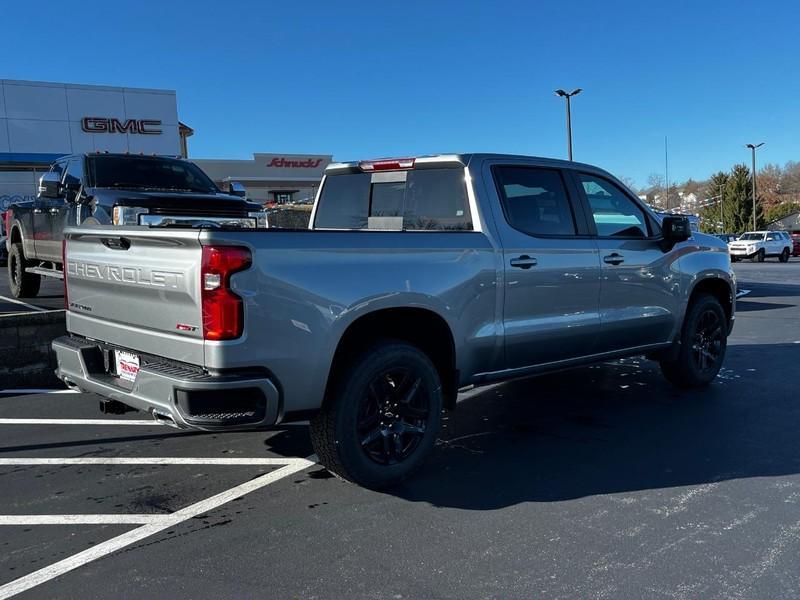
(183, 397)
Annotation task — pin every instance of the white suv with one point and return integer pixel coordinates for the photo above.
(757, 245)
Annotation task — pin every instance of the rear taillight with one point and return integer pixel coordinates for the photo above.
(387, 164)
(64, 271)
(223, 311)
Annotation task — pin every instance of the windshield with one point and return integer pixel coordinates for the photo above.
(145, 173)
(752, 236)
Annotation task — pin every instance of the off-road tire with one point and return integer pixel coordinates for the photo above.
(784, 256)
(759, 256)
(685, 370)
(339, 443)
(22, 284)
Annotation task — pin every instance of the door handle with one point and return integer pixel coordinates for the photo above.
(523, 262)
(614, 259)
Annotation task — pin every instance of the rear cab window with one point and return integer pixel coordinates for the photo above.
(431, 199)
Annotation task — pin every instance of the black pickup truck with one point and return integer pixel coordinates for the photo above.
(114, 189)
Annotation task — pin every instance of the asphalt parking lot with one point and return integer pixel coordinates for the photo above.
(603, 482)
(51, 296)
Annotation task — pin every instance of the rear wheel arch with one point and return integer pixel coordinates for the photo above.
(420, 327)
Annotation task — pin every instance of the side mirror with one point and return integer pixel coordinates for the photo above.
(675, 229)
(50, 185)
(236, 189)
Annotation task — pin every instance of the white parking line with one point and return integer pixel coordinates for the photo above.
(292, 465)
(22, 391)
(79, 519)
(147, 460)
(741, 293)
(20, 302)
(79, 422)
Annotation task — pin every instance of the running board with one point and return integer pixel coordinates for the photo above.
(46, 272)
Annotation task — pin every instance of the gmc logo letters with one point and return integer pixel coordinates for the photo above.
(104, 125)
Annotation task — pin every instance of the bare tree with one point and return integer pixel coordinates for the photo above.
(630, 184)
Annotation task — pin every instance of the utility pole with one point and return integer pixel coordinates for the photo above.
(666, 175)
(753, 149)
(567, 96)
(721, 209)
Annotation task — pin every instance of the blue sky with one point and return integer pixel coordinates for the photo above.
(373, 79)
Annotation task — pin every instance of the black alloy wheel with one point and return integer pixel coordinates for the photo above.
(707, 344)
(700, 350)
(381, 415)
(393, 416)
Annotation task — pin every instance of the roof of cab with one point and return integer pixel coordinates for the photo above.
(430, 160)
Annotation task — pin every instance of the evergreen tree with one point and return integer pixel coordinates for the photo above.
(739, 196)
(711, 221)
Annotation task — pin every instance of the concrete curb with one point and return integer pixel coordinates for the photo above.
(26, 359)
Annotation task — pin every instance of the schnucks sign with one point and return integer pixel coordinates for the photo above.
(281, 162)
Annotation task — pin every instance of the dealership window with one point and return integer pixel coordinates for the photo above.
(424, 199)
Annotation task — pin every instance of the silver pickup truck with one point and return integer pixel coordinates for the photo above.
(416, 278)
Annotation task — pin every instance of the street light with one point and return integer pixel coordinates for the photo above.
(753, 148)
(567, 96)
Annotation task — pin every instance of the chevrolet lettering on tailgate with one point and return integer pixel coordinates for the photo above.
(124, 274)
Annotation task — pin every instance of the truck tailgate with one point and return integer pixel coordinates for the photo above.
(137, 289)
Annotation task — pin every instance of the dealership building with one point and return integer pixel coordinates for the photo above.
(40, 122)
(270, 178)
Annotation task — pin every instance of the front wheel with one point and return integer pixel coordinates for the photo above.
(784, 257)
(759, 256)
(703, 342)
(382, 417)
(22, 284)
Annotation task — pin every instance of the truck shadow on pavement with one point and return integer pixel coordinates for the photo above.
(615, 427)
(761, 289)
(747, 305)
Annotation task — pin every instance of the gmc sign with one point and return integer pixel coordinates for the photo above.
(106, 125)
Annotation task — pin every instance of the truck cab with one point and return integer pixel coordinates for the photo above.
(116, 190)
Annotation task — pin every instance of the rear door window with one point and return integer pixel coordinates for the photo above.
(419, 199)
(535, 200)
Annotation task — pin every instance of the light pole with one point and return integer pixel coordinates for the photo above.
(567, 96)
(753, 149)
(721, 209)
